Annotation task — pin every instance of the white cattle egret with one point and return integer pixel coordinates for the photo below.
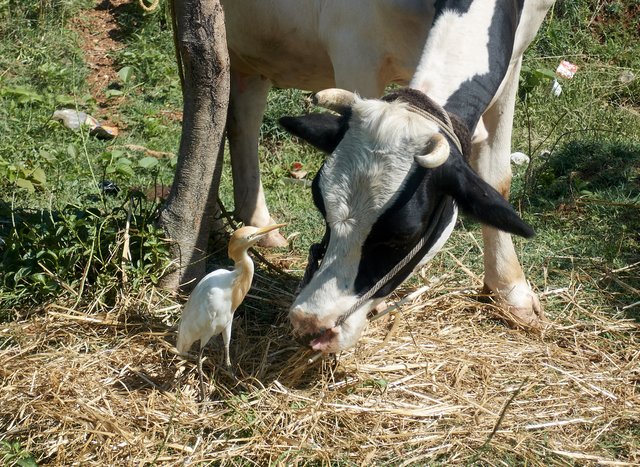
(209, 310)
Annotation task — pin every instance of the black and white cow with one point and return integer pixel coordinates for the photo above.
(396, 175)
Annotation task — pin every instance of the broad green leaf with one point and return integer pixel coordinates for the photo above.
(113, 93)
(148, 162)
(47, 156)
(66, 100)
(39, 176)
(125, 74)
(27, 462)
(38, 277)
(20, 273)
(546, 72)
(72, 151)
(124, 169)
(26, 184)
(21, 94)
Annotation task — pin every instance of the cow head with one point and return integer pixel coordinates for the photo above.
(392, 183)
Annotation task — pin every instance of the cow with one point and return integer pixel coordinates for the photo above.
(401, 166)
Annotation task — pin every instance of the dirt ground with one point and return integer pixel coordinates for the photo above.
(98, 30)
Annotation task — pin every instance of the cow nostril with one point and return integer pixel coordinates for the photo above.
(307, 328)
(305, 339)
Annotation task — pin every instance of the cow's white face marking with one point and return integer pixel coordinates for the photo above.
(443, 67)
(359, 182)
(368, 167)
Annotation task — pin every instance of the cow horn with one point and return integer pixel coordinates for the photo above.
(334, 99)
(438, 148)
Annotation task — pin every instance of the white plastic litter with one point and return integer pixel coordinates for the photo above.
(74, 119)
(519, 158)
(626, 77)
(556, 88)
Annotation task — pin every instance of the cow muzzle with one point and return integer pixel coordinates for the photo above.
(323, 333)
(310, 331)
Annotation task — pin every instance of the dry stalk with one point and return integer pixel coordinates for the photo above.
(102, 386)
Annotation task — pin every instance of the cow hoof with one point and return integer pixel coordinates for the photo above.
(521, 311)
(273, 239)
(530, 318)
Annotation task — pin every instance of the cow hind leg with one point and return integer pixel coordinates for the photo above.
(491, 159)
(247, 102)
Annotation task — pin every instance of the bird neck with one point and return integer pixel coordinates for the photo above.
(244, 275)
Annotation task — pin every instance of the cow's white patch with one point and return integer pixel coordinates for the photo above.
(364, 173)
(456, 50)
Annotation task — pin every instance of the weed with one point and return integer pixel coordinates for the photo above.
(12, 453)
(69, 251)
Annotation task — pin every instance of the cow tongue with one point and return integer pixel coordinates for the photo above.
(323, 341)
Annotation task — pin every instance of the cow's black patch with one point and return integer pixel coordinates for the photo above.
(477, 198)
(416, 212)
(474, 95)
(420, 210)
(316, 193)
(459, 6)
(417, 99)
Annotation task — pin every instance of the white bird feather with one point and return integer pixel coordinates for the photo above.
(209, 310)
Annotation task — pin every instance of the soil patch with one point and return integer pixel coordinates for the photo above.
(98, 30)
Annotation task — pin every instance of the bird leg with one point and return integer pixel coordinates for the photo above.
(226, 337)
(203, 394)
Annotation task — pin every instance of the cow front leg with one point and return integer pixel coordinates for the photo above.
(247, 102)
(491, 159)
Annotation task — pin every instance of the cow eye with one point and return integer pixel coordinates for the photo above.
(402, 239)
(396, 239)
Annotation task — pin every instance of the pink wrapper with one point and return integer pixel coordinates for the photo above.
(566, 69)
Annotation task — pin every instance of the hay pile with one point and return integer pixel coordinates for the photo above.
(451, 384)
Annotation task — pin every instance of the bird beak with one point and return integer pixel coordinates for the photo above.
(267, 229)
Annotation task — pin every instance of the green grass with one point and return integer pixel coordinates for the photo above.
(583, 194)
(59, 232)
(583, 183)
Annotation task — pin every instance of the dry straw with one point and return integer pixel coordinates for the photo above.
(439, 379)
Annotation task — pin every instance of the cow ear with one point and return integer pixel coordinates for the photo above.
(481, 201)
(324, 131)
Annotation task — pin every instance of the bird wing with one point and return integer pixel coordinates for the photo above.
(207, 311)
